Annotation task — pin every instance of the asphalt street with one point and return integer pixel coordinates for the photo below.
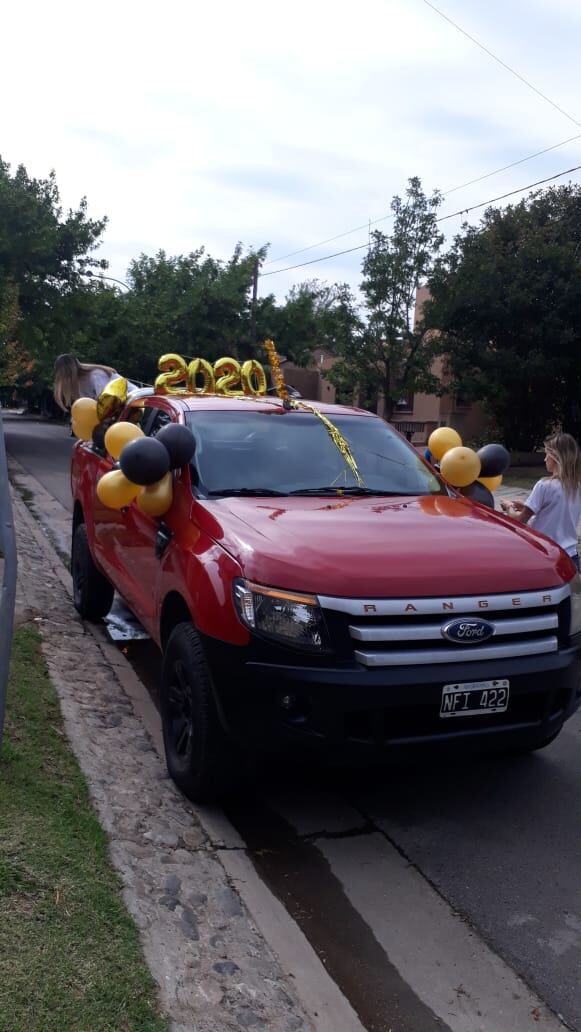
(44, 449)
(364, 860)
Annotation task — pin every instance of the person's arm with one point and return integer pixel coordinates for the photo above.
(522, 513)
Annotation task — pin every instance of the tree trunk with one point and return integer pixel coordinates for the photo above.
(389, 407)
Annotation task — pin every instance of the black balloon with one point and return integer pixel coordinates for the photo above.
(478, 493)
(494, 460)
(179, 442)
(144, 461)
(98, 435)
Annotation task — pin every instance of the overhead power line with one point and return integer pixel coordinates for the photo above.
(445, 193)
(499, 61)
(513, 164)
(443, 218)
(461, 186)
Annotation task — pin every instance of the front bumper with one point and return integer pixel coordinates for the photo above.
(354, 711)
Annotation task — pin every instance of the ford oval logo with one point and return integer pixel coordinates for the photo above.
(467, 632)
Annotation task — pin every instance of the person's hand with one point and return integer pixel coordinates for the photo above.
(517, 506)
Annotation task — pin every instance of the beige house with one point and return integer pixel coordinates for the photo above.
(415, 416)
(419, 414)
(310, 381)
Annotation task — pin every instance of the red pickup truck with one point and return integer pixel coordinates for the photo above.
(296, 607)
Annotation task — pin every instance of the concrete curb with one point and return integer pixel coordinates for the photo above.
(310, 999)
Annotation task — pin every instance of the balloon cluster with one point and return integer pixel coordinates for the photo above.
(87, 414)
(475, 474)
(145, 466)
(84, 418)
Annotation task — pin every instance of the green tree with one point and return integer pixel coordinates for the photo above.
(43, 253)
(507, 302)
(193, 305)
(391, 357)
(314, 315)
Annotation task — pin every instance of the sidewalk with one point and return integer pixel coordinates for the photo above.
(214, 970)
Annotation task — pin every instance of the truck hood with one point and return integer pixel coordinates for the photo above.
(365, 547)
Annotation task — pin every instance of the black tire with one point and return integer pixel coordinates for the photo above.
(197, 750)
(92, 592)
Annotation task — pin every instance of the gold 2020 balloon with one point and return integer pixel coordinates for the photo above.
(119, 435)
(84, 418)
(115, 491)
(156, 499)
(460, 466)
(442, 440)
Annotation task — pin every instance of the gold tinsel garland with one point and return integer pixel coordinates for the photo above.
(336, 437)
(335, 434)
(274, 363)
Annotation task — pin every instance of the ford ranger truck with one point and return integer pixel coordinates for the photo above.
(300, 607)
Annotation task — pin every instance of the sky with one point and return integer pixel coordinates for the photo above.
(193, 124)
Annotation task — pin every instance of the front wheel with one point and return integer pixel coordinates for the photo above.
(198, 753)
(92, 592)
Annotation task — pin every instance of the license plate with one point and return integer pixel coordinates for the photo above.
(474, 699)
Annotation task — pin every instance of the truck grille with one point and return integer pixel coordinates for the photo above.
(409, 632)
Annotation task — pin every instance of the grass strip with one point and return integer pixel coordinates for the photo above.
(70, 957)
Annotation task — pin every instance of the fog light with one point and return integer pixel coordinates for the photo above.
(288, 702)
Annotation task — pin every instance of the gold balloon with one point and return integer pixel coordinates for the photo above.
(201, 366)
(119, 435)
(227, 373)
(84, 418)
(112, 399)
(460, 466)
(173, 369)
(156, 499)
(115, 491)
(442, 440)
(250, 369)
(492, 483)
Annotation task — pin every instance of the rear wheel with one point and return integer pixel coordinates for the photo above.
(198, 753)
(92, 592)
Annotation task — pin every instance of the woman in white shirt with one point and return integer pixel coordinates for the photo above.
(554, 503)
(74, 380)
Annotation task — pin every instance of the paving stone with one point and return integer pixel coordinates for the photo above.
(171, 902)
(157, 844)
(226, 967)
(172, 884)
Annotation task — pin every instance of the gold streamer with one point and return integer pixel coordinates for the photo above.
(277, 377)
(335, 434)
(336, 437)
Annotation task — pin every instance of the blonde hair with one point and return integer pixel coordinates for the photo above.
(67, 370)
(565, 451)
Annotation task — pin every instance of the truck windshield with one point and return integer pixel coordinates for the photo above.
(254, 453)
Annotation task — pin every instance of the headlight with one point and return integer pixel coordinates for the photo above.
(286, 616)
(575, 622)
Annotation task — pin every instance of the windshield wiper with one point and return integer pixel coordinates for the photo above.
(248, 492)
(330, 490)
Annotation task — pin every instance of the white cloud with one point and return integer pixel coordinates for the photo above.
(193, 124)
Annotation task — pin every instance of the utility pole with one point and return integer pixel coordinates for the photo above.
(254, 300)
